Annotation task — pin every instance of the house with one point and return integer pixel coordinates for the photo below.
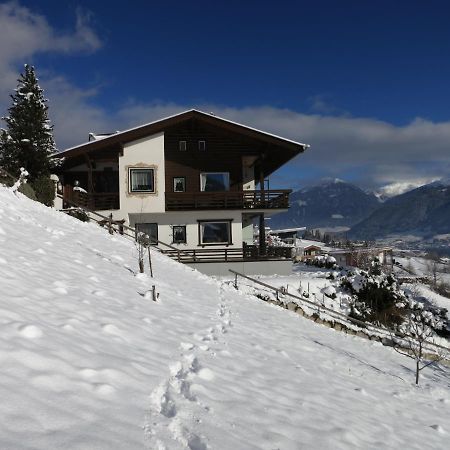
(312, 250)
(288, 235)
(363, 257)
(192, 180)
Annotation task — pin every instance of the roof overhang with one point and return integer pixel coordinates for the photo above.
(287, 147)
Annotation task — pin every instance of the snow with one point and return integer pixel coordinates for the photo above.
(401, 187)
(90, 362)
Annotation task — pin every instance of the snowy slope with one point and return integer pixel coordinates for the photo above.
(90, 362)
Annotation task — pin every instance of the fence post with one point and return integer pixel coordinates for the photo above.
(235, 281)
(150, 261)
(110, 228)
(154, 296)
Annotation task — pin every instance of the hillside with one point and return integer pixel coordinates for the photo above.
(91, 362)
(424, 211)
(330, 204)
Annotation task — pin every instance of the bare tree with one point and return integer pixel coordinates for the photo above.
(416, 336)
(432, 268)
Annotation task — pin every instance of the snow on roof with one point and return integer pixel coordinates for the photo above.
(312, 246)
(97, 137)
(305, 146)
(288, 230)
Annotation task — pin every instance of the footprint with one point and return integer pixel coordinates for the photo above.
(60, 290)
(206, 374)
(30, 331)
(186, 346)
(104, 389)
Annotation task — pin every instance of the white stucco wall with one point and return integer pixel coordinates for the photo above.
(248, 173)
(143, 153)
(166, 220)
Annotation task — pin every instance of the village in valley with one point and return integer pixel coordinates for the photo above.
(176, 284)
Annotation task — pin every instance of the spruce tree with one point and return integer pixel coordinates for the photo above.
(28, 139)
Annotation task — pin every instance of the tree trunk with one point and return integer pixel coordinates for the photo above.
(417, 371)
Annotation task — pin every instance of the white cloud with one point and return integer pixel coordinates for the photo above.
(373, 151)
(25, 34)
(393, 189)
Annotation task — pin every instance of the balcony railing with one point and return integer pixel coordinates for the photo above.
(248, 253)
(273, 199)
(96, 202)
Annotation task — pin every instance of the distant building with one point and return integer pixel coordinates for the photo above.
(288, 235)
(363, 257)
(309, 253)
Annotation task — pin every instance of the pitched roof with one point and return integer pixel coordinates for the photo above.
(159, 125)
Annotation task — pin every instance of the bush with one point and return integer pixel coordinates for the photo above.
(375, 299)
(45, 190)
(79, 214)
(28, 191)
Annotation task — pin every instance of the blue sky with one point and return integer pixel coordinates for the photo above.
(365, 83)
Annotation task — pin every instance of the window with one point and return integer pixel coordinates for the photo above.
(215, 232)
(149, 229)
(179, 184)
(141, 180)
(214, 181)
(182, 146)
(202, 145)
(179, 234)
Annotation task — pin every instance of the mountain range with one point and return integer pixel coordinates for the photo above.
(424, 211)
(332, 203)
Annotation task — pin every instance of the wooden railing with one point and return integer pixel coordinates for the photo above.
(96, 202)
(273, 199)
(249, 253)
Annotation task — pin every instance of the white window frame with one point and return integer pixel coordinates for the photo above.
(202, 143)
(201, 224)
(182, 146)
(173, 234)
(152, 170)
(203, 181)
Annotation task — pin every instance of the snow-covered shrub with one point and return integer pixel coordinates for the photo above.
(378, 299)
(79, 214)
(374, 298)
(323, 261)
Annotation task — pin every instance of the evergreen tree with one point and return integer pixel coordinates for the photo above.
(28, 140)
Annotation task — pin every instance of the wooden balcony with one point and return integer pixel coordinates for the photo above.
(273, 199)
(96, 202)
(248, 253)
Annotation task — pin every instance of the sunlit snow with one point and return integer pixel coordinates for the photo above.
(89, 361)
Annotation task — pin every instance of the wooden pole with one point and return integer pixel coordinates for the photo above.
(150, 261)
(262, 236)
(110, 227)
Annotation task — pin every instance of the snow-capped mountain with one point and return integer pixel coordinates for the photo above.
(331, 203)
(424, 211)
(398, 188)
